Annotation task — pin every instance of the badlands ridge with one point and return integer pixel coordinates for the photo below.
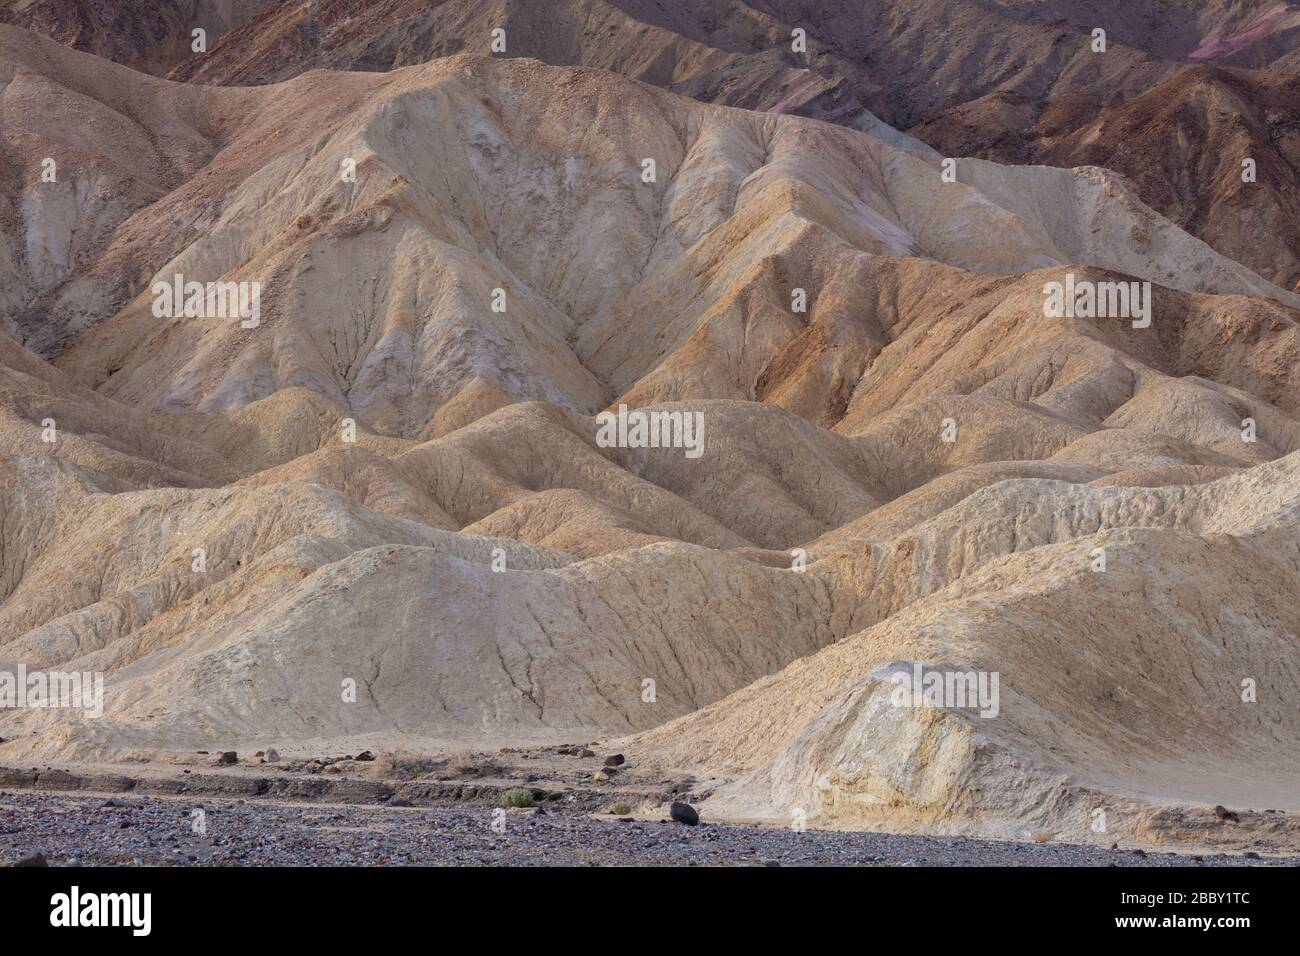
(394, 483)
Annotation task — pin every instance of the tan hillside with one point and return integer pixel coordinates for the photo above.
(388, 507)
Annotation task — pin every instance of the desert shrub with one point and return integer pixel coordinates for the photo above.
(517, 797)
(466, 764)
(402, 765)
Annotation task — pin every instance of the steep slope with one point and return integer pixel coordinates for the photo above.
(1012, 82)
(737, 219)
(1182, 144)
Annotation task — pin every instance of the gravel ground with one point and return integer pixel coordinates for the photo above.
(97, 830)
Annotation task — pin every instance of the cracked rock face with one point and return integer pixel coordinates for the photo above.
(385, 513)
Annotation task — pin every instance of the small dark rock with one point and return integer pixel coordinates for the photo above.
(684, 813)
(615, 760)
(584, 752)
(36, 859)
(1223, 813)
(1252, 855)
(227, 758)
(364, 755)
(399, 802)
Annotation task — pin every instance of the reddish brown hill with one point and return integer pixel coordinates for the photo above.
(150, 35)
(1182, 144)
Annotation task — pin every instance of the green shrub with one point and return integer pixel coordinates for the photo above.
(621, 809)
(517, 797)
